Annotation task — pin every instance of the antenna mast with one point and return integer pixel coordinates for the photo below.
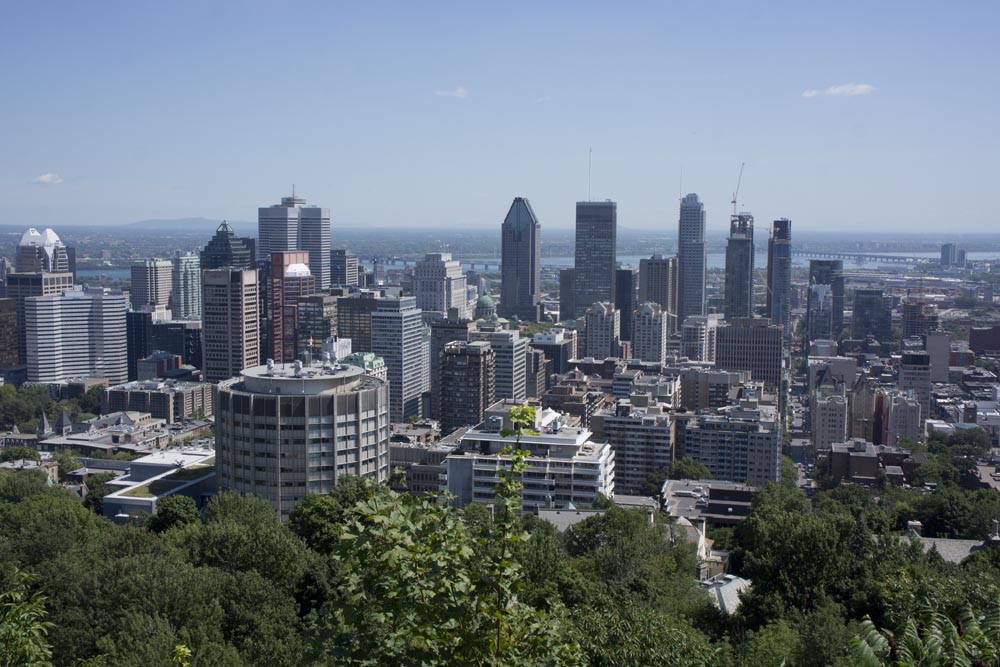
(738, 182)
(590, 165)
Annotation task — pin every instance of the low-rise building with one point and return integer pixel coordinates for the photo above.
(188, 471)
(564, 466)
(169, 400)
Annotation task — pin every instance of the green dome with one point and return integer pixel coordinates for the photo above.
(485, 302)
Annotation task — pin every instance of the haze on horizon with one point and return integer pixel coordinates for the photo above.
(848, 116)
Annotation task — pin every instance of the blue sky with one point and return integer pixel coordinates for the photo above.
(437, 114)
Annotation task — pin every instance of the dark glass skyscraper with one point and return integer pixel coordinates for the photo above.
(872, 316)
(690, 259)
(779, 273)
(739, 267)
(520, 271)
(826, 272)
(227, 250)
(596, 236)
(626, 298)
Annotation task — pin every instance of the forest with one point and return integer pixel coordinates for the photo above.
(368, 576)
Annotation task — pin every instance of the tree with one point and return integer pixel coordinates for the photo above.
(932, 639)
(17, 453)
(414, 586)
(653, 484)
(789, 473)
(635, 636)
(688, 468)
(97, 488)
(319, 519)
(23, 628)
(173, 511)
(68, 460)
(774, 644)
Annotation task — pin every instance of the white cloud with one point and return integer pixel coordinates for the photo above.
(460, 93)
(843, 90)
(543, 99)
(50, 178)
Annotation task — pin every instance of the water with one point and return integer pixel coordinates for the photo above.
(112, 273)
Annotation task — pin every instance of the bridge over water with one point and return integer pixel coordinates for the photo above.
(861, 258)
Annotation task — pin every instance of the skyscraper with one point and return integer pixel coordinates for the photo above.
(354, 319)
(151, 282)
(139, 326)
(343, 268)
(41, 252)
(444, 331)
(626, 298)
(690, 259)
(520, 271)
(20, 286)
(76, 334)
(511, 354)
(289, 279)
(467, 377)
(291, 225)
(827, 272)
(595, 261)
(8, 333)
(915, 376)
(656, 281)
(398, 337)
(649, 333)
(779, 273)
(567, 294)
(751, 344)
(225, 249)
(439, 284)
(872, 316)
(603, 331)
(230, 322)
(315, 318)
(739, 267)
(185, 293)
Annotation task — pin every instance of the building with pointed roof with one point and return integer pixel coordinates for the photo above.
(520, 268)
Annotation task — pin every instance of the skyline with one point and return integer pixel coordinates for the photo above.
(852, 117)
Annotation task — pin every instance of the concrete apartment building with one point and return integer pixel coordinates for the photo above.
(639, 430)
(284, 432)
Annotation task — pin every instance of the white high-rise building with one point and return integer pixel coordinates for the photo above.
(603, 327)
(649, 333)
(151, 283)
(185, 296)
(398, 336)
(829, 420)
(291, 225)
(698, 334)
(901, 418)
(511, 352)
(77, 334)
(439, 284)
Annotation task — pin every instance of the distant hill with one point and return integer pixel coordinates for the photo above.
(206, 225)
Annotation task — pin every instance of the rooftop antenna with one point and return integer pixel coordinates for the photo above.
(590, 165)
(738, 181)
(293, 190)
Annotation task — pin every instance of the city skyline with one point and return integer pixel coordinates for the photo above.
(848, 135)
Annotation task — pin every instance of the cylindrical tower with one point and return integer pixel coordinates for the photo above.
(284, 431)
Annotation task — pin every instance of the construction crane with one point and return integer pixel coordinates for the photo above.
(738, 182)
